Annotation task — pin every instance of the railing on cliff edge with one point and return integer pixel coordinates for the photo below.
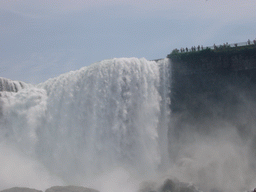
(214, 48)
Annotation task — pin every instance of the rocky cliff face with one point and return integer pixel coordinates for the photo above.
(213, 88)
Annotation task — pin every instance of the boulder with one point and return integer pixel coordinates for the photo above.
(176, 186)
(70, 189)
(20, 189)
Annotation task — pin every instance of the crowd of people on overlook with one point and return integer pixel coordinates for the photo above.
(198, 48)
(249, 42)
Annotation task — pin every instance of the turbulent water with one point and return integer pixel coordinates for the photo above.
(11, 86)
(111, 117)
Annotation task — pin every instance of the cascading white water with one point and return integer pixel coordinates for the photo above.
(83, 123)
(11, 86)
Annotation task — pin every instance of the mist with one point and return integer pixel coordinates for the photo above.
(17, 169)
(213, 144)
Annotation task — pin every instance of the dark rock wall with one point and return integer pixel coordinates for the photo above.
(208, 91)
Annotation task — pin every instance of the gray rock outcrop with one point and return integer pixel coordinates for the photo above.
(52, 189)
(167, 186)
(20, 189)
(176, 186)
(70, 189)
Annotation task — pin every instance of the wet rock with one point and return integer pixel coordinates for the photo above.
(70, 189)
(176, 186)
(169, 185)
(20, 189)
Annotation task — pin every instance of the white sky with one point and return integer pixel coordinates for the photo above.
(40, 39)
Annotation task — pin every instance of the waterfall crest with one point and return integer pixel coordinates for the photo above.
(11, 86)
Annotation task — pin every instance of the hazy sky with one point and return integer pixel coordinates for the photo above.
(40, 39)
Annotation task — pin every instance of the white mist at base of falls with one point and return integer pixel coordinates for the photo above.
(111, 117)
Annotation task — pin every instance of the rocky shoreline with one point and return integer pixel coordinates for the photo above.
(167, 186)
(52, 189)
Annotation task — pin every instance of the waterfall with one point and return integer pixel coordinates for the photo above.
(114, 113)
(11, 86)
